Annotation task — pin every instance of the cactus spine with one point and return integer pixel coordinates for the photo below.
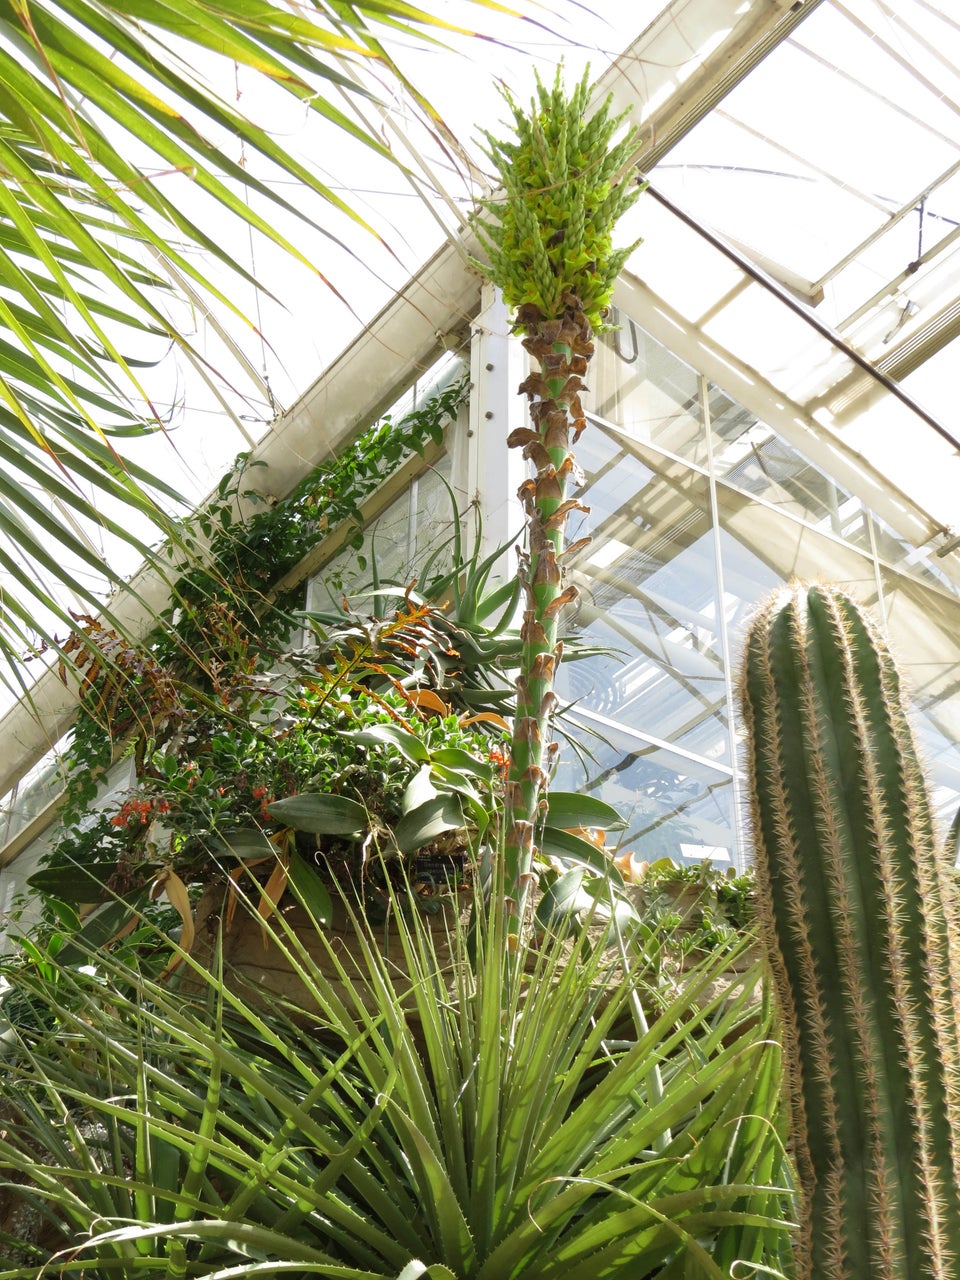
(856, 922)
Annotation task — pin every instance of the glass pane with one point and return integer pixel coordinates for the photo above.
(647, 391)
(675, 806)
(415, 529)
(924, 631)
(750, 456)
(896, 552)
(648, 599)
(762, 547)
(32, 794)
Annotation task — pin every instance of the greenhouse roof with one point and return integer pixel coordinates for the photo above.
(808, 224)
(800, 248)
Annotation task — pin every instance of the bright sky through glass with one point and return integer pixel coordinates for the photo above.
(834, 165)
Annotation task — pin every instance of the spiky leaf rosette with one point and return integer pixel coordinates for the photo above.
(549, 234)
(851, 891)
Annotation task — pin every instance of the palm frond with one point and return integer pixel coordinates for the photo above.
(95, 245)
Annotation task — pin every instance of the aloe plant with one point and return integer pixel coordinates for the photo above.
(549, 239)
(851, 893)
(499, 1128)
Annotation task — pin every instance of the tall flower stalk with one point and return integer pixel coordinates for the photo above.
(548, 235)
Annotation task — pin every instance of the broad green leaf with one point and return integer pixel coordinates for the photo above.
(380, 735)
(75, 883)
(245, 843)
(564, 844)
(310, 889)
(578, 898)
(427, 821)
(454, 780)
(101, 927)
(461, 760)
(564, 900)
(420, 790)
(570, 811)
(321, 814)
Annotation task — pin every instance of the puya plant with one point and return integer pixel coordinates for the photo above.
(500, 1128)
(548, 236)
(854, 909)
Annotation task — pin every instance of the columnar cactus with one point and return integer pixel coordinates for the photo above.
(549, 241)
(856, 919)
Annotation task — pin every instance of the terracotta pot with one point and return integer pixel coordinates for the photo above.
(265, 962)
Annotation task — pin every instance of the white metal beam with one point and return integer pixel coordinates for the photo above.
(788, 419)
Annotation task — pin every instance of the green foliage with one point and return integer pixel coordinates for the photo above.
(93, 242)
(550, 234)
(853, 901)
(235, 785)
(469, 616)
(513, 1121)
(245, 559)
(227, 630)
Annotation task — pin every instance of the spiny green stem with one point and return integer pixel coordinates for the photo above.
(562, 349)
(860, 933)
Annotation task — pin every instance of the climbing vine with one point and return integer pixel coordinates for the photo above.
(246, 557)
(220, 627)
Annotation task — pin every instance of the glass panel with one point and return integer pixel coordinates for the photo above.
(415, 528)
(397, 544)
(749, 455)
(760, 548)
(675, 806)
(647, 391)
(20, 909)
(924, 631)
(900, 554)
(648, 598)
(37, 789)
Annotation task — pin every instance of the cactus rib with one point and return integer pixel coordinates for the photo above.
(857, 925)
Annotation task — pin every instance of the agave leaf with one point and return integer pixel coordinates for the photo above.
(487, 1109)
